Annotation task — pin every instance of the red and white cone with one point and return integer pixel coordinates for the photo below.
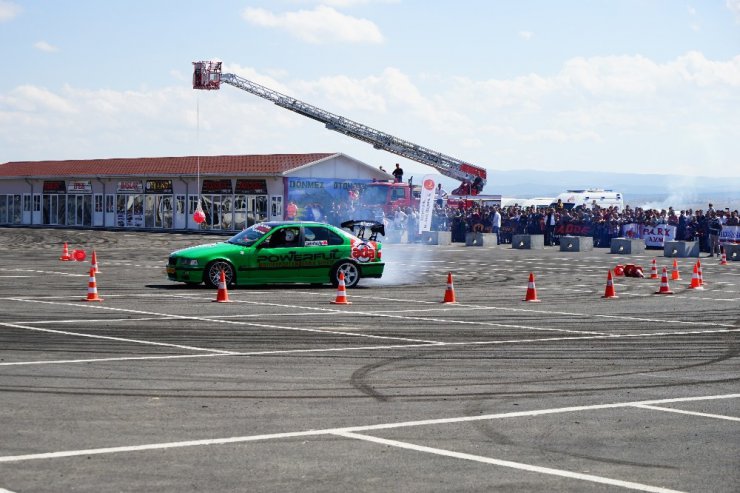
(664, 288)
(610, 292)
(695, 282)
(675, 274)
(698, 268)
(223, 295)
(531, 290)
(65, 253)
(341, 298)
(653, 270)
(449, 291)
(92, 288)
(94, 263)
(724, 257)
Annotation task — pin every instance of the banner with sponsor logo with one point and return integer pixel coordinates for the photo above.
(79, 186)
(130, 186)
(426, 202)
(654, 236)
(55, 187)
(574, 228)
(730, 234)
(331, 200)
(159, 186)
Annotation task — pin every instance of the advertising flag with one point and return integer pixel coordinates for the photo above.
(426, 203)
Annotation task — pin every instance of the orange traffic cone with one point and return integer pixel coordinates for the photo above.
(341, 298)
(698, 269)
(531, 290)
(223, 295)
(94, 263)
(92, 288)
(654, 271)
(450, 291)
(664, 288)
(619, 270)
(695, 282)
(65, 253)
(675, 274)
(609, 292)
(724, 257)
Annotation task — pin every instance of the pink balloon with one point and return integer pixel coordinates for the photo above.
(199, 216)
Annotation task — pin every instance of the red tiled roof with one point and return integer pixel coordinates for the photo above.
(269, 164)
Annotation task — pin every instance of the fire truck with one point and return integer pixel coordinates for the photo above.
(208, 75)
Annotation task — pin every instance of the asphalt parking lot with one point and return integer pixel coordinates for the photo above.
(157, 388)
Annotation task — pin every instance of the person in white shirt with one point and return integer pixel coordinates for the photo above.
(496, 225)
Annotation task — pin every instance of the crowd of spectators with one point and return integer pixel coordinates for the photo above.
(602, 223)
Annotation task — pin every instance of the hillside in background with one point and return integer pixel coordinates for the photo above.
(656, 191)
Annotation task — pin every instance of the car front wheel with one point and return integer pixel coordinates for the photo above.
(213, 273)
(351, 274)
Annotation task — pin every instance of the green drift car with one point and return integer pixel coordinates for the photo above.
(284, 252)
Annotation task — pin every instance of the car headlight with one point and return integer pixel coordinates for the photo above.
(192, 262)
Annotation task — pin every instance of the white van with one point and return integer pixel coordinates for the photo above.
(589, 198)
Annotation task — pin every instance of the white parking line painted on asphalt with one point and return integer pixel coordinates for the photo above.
(506, 463)
(353, 429)
(548, 312)
(681, 411)
(234, 322)
(117, 339)
(376, 348)
(90, 320)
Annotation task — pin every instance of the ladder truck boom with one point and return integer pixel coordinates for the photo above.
(207, 75)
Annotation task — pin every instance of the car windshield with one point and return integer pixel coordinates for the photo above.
(249, 236)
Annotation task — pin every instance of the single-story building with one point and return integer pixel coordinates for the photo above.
(164, 192)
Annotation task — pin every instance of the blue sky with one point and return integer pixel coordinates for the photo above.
(648, 86)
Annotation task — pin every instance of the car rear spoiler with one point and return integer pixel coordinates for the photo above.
(358, 228)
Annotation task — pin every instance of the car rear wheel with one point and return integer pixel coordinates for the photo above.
(212, 274)
(351, 274)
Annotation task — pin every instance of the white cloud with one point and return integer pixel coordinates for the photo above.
(44, 46)
(8, 10)
(526, 35)
(321, 25)
(734, 6)
(617, 111)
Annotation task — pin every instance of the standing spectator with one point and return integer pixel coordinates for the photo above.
(714, 226)
(398, 173)
(439, 194)
(496, 225)
(550, 227)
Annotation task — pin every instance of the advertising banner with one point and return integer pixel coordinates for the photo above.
(251, 187)
(79, 186)
(426, 203)
(130, 186)
(217, 186)
(159, 186)
(654, 236)
(328, 199)
(55, 187)
(730, 234)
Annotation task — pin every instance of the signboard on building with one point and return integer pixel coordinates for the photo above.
(217, 186)
(159, 186)
(251, 187)
(79, 186)
(130, 186)
(55, 187)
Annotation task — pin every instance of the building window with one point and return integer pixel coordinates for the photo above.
(37, 203)
(26, 202)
